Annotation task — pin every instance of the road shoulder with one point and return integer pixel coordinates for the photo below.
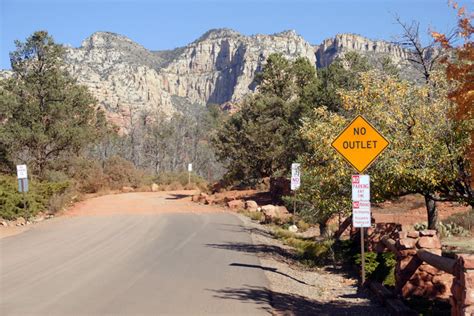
(298, 290)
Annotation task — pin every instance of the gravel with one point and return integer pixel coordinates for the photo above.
(298, 290)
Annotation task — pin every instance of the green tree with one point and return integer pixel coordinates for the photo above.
(262, 139)
(276, 77)
(342, 73)
(46, 115)
(258, 141)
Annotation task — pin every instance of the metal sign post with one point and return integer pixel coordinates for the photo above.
(360, 144)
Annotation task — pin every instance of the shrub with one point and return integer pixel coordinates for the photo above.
(385, 272)
(58, 201)
(88, 175)
(256, 216)
(120, 172)
(310, 252)
(168, 178)
(318, 253)
(371, 262)
(379, 267)
(302, 225)
(12, 203)
(175, 185)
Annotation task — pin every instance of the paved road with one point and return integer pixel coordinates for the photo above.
(130, 264)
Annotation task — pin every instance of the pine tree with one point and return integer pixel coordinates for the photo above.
(46, 116)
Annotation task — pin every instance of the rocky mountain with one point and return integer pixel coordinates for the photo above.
(216, 68)
(342, 43)
(219, 67)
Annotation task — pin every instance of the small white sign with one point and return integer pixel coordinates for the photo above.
(360, 188)
(190, 167)
(361, 216)
(295, 176)
(21, 171)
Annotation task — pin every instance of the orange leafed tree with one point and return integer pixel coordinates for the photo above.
(461, 68)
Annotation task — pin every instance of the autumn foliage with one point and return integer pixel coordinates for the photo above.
(460, 69)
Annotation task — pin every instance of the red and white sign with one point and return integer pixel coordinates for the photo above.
(361, 216)
(360, 188)
(295, 176)
(361, 201)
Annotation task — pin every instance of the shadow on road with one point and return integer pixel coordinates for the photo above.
(177, 196)
(260, 249)
(250, 230)
(270, 269)
(292, 304)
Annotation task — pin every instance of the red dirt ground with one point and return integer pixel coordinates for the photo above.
(171, 201)
(410, 210)
(407, 210)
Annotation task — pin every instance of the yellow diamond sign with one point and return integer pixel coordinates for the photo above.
(360, 143)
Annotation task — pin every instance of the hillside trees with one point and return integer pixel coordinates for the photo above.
(46, 117)
(171, 143)
(164, 143)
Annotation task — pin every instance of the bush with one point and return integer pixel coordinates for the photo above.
(120, 173)
(310, 252)
(302, 225)
(379, 267)
(88, 175)
(12, 203)
(256, 216)
(58, 201)
(318, 253)
(174, 178)
(371, 262)
(385, 272)
(167, 178)
(175, 185)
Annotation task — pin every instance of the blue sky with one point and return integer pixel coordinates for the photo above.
(169, 24)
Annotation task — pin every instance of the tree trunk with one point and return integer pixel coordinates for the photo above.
(323, 229)
(432, 212)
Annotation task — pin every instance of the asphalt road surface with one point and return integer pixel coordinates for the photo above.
(162, 261)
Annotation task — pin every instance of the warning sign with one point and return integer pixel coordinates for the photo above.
(360, 143)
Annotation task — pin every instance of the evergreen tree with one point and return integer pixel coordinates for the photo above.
(262, 139)
(46, 116)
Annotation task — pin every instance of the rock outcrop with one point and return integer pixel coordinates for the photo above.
(332, 48)
(219, 67)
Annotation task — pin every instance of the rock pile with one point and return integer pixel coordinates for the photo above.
(413, 276)
(462, 299)
(271, 213)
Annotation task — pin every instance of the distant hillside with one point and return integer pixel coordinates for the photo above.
(218, 67)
